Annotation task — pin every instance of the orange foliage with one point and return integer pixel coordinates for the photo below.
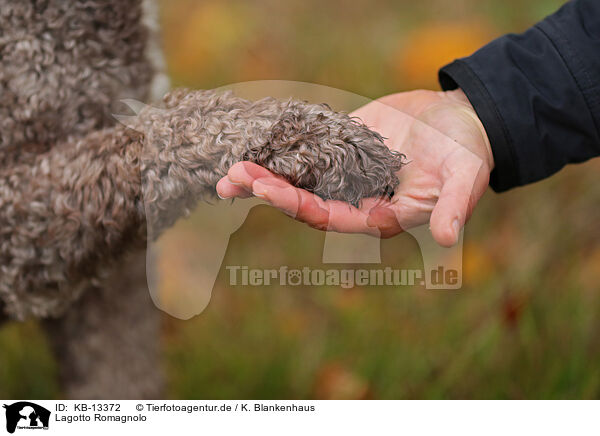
(430, 47)
(335, 382)
(478, 264)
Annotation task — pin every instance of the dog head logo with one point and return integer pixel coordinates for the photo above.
(26, 415)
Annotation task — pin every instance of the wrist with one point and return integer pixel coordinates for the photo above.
(458, 96)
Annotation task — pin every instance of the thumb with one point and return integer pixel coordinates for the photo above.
(457, 198)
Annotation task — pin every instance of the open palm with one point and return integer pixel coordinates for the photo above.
(449, 162)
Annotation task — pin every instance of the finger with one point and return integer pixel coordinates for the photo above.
(245, 173)
(226, 189)
(297, 203)
(453, 207)
(345, 218)
(311, 209)
(382, 216)
(386, 221)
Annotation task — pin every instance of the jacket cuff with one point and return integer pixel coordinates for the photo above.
(459, 75)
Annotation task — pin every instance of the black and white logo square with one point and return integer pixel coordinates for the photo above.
(25, 415)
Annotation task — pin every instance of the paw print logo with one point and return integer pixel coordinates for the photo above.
(294, 277)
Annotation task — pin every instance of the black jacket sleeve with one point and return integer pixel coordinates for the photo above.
(537, 94)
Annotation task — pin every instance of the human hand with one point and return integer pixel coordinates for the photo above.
(449, 163)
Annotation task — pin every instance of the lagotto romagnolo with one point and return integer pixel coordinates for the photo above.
(72, 216)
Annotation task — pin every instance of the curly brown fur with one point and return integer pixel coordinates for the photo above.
(65, 64)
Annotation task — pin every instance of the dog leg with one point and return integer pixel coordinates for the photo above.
(108, 343)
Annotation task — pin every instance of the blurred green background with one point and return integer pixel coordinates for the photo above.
(526, 323)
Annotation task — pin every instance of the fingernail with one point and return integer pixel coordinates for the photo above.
(456, 227)
(233, 182)
(221, 197)
(259, 191)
